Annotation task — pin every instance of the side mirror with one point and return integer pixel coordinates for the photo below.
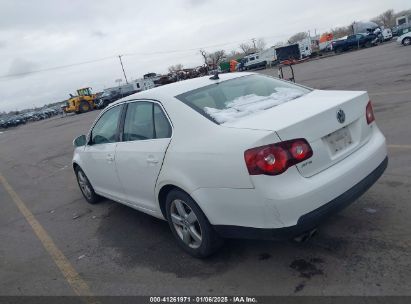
(80, 141)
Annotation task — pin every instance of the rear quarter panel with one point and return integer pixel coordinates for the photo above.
(203, 154)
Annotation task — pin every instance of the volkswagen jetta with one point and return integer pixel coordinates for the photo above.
(239, 155)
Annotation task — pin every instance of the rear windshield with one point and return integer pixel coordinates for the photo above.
(237, 98)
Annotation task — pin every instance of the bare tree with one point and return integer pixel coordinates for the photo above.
(204, 54)
(260, 44)
(215, 58)
(234, 54)
(297, 37)
(247, 48)
(175, 68)
(402, 13)
(279, 44)
(342, 31)
(387, 18)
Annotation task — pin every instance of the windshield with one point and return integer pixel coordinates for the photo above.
(237, 98)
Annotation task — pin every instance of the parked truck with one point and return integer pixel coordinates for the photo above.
(288, 52)
(254, 61)
(269, 55)
(325, 42)
(305, 47)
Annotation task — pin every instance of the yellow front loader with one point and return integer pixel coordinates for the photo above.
(83, 102)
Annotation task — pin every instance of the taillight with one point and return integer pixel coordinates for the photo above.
(277, 158)
(369, 113)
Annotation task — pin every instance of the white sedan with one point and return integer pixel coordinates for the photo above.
(239, 155)
(404, 39)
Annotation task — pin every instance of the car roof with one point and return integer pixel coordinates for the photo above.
(180, 87)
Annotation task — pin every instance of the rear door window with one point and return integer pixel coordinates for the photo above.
(145, 120)
(138, 124)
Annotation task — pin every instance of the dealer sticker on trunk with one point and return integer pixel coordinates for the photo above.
(339, 140)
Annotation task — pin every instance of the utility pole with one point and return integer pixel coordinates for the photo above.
(253, 40)
(121, 62)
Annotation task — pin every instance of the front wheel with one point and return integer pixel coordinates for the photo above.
(190, 226)
(86, 187)
(84, 107)
(406, 41)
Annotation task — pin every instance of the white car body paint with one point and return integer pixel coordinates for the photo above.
(206, 160)
(402, 37)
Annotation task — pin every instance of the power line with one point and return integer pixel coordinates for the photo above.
(55, 67)
(110, 57)
(7, 76)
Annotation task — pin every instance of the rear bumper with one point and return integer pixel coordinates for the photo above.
(309, 220)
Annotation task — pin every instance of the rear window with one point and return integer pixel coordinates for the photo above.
(240, 97)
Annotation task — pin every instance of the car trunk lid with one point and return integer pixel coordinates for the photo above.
(333, 122)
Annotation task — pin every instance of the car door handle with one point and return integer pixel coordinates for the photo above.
(110, 157)
(152, 160)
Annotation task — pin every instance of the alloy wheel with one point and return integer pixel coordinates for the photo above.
(186, 224)
(84, 184)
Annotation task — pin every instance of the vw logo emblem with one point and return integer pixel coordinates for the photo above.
(340, 116)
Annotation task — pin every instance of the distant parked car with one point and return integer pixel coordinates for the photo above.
(353, 42)
(109, 97)
(241, 155)
(12, 122)
(405, 39)
(106, 98)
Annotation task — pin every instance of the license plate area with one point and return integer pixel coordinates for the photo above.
(339, 140)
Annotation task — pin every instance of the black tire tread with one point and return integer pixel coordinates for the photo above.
(95, 198)
(211, 240)
(81, 106)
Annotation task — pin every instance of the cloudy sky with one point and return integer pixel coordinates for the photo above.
(38, 37)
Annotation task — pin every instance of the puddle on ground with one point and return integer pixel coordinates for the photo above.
(307, 269)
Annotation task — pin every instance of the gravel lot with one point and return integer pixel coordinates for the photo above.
(364, 250)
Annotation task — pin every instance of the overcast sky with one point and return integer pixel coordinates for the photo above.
(42, 34)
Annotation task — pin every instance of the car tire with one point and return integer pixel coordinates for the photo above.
(84, 107)
(86, 188)
(189, 225)
(406, 41)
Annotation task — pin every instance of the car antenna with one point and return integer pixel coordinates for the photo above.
(215, 77)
